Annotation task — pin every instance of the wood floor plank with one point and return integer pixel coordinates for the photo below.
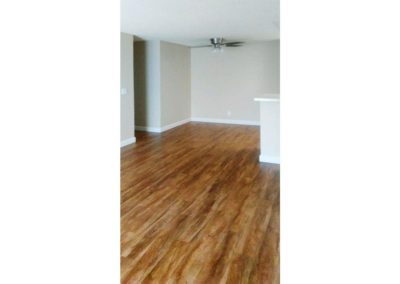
(198, 207)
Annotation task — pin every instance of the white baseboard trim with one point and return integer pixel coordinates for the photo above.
(269, 159)
(225, 121)
(175, 124)
(148, 129)
(128, 141)
(163, 128)
(196, 119)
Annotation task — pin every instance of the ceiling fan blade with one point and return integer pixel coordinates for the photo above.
(199, 46)
(234, 43)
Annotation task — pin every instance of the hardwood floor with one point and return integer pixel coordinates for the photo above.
(198, 207)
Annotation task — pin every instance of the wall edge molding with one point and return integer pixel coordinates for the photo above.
(128, 141)
(225, 121)
(163, 128)
(175, 124)
(269, 159)
(148, 128)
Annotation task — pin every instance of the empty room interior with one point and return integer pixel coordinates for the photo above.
(200, 159)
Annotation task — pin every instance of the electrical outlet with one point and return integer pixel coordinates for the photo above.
(123, 92)
(229, 113)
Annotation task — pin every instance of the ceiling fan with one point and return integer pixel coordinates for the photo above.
(218, 42)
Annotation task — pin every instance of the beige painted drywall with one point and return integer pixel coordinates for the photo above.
(162, 84)
(126, 77)
(175, 83)
(223, 85)
(147, 83)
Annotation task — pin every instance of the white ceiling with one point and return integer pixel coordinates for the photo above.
(193, 22)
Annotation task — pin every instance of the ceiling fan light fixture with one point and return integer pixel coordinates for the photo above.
(218, 43)
(217, 49)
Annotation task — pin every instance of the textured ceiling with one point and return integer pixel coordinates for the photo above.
(193, 22)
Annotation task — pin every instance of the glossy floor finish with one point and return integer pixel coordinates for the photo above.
(198, 207)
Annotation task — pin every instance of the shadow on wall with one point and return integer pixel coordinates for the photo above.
(140, 74)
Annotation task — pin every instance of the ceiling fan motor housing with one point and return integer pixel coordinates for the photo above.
(217, 42)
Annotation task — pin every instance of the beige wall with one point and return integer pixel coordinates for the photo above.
(175, 83)
(126, 77)
(223, 85)
(147, 83)
(162, 84)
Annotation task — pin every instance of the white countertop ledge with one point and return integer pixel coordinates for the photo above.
(261, 99)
